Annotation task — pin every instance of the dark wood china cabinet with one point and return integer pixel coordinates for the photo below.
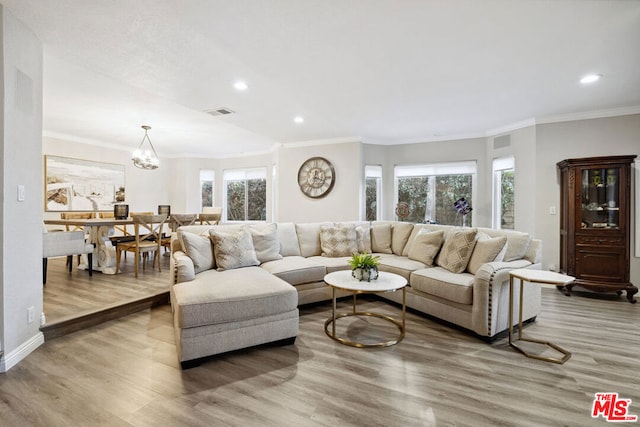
(595, 215)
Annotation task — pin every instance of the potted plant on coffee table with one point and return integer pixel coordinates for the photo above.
(364, 266)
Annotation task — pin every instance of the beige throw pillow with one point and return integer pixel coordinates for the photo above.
(457, 249)
(266, 243)
(233, 249)
(199, 249)
(517, 245)
(400, 232)
(338, 240)
(487, 249)
(426, 245)
(363, 238)
(381, 238)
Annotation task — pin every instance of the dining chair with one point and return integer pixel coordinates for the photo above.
(77, 215)
(65, 243)
(210, 215)
(120, 228)
(177, 220)
(147, 238)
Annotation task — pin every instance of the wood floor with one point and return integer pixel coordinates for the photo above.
(73, 301)
(125, 373)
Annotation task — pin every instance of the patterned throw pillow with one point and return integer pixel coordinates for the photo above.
(426, 245)
(233, 249)
(266, 242)
(338, 240)
(487, 249)
(199, 249)
(457, 249)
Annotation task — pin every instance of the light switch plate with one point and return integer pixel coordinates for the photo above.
(21, 193)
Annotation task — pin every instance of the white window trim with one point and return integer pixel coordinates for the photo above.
(375, 171)
(499, 165)
(239, 175)
(208, 175)
(464, 167)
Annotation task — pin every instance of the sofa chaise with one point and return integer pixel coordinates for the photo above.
(236, 286)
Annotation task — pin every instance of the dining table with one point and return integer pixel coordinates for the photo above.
(99, 230)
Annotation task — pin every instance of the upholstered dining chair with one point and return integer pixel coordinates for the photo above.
(147, 231)
(65, 243)
(76, 215)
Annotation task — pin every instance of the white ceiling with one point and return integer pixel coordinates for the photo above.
(381, 71)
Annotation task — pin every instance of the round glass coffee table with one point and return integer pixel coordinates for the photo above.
(386, 282)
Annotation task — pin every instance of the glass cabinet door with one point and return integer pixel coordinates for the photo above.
(600, 198)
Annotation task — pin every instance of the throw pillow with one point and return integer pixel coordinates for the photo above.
(338, 240)
(487, 249)
(288, 239)
(199, 249)
(363, 238)
(266, 243)
(309, 238)
(233, 249)
(517, 245)
(400, 232)
(457, 250)
(425, 246)
(381, 238)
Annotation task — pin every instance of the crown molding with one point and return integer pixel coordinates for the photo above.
(569, 117)
(315, 142)
(588, 115)
(511, 127)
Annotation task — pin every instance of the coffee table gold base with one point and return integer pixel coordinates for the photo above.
(331, 332)
(359, 344)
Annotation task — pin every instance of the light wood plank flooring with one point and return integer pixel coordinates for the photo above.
(67, 296)
(125, 373)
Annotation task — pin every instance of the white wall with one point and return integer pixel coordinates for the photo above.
(584, 138)
(20, 221)
(341, 204)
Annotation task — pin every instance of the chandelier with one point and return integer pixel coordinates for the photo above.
(146, 158)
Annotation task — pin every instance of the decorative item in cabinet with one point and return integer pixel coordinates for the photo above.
(595, 218)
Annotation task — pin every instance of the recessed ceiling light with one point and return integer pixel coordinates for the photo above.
(241, 86)
(590, 78)
(298, 119)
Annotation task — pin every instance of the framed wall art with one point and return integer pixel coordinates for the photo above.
(82, 185)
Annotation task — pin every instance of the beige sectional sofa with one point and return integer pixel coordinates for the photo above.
(236, 286)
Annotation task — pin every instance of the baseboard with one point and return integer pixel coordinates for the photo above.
(11, 359)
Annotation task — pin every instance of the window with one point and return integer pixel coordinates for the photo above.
(503, 211)
(206, 188)
(372, 189)
(245, 194)
(431, 190)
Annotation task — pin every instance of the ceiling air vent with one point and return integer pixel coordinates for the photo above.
(222, 111)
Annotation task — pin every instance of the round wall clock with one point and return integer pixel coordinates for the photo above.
(316, 177)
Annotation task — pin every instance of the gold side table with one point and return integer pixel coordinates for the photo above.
(541, 277)
(386, 282)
